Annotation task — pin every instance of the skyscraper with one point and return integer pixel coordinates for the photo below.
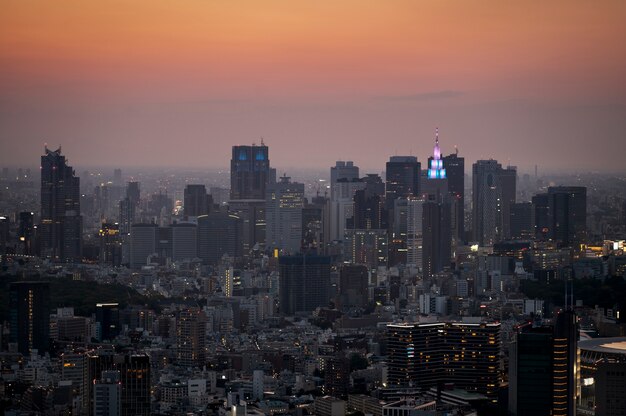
(283, 216)
(402, 177)
(567, 215)
(436, 238)
(342, 171)
(197, 202)
(61, 223)
(493, 192)
(219, 233)
(29, 303)
(544, 368)
(143, 241)
(455, 172)
(249, 172)
(304, 283)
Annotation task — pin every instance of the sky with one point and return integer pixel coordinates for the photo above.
(177, 83)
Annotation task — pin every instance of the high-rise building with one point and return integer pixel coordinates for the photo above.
(190, 338)
(283, 214)
(134, 371)
(342, 171)
(436, 237)
(184, 241)
(304, 283)
(110, 244)
(455, 173)
(542, 216)
(414, 231)
(567, 215)
(107, 321)
(107, 394)
(219, 233)
(369, 205)
(544, 368)
(342, 205)
(249, 172)
(522, 220)
(29, 303)
(427, 355)
(493, 192)
(61, 224)
(4, 234)
(143, 241)
(197, 202)
(26, 233)
(402, 177)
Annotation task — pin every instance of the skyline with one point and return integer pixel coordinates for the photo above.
(522, 84)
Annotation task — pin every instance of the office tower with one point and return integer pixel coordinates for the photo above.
(61, 222)
(402, 177)
(414, 231)
(249, 172)
(522, 220)
(29, 303)
(219, 234)
(184, 241)
(455, 173)
(368, 247)
(107, 321)
(107, 394)
(568, 215)
(143, 240)
(427, 355)
(353, 283)
(610, 388)
(369, 205)
(26, 233)
(543, 368)
(542, 216)
(190, 338)
(342, 205)
(134, 370)
(304, 283)
(110, 244)
(313, 223)
(283, 214)
(197, 202)
(127, 215)
(493, 191)
(133, 192)
(251, 212)
(342, 171)
(164, 245)
(436, 237)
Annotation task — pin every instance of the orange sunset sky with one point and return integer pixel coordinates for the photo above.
(153, 83)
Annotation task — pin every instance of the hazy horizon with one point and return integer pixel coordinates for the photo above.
(158, 84)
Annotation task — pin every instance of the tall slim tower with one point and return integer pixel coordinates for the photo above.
(61, 223)
(29, 303)
(249, 172)
(493, 192)
(283, 214)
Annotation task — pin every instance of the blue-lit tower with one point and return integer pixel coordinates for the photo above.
(435, 166)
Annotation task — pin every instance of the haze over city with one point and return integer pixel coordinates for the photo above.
(154, 83)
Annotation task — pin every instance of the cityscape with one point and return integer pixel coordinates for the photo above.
(249, 254)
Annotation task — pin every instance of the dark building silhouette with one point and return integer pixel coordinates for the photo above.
(190, 338)
(61, 224)
(304, 283)
(436, 237)
(402, 177)
(26, 233)
(4, 234)
(369, 205)
(542, 216)
(353, 283)
(543, 368)
(522, 220)
(29, 305)
(134, 372)
(143, 243)
(567, 214)
(455, 172)
(107, 321)
(493, 192)
(219, 233)
(196, 201)
(110, 244)
(249, 172)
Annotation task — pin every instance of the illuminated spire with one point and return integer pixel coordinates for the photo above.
(436, 170)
